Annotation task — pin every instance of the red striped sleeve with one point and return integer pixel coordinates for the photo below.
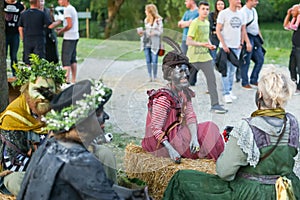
(190, 115)
(160, 109)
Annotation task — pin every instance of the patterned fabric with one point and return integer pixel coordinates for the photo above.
(246, 142)
(252, 140)
(14, 148)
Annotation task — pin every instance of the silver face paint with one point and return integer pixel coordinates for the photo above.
(180, 77)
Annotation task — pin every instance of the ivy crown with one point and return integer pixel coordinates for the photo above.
(39, 67)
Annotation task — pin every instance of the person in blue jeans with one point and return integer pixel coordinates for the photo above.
(231, 32)
(150, 39)
(254, 35)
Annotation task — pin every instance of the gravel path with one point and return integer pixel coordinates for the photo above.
(128, 105)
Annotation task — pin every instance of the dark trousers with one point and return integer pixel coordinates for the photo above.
(34, 45)
(257, 56)
(294, 65)
(209, 73)
(12, 43)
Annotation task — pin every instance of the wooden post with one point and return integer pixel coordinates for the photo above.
(87, 26)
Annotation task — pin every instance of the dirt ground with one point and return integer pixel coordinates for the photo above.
(128, 105)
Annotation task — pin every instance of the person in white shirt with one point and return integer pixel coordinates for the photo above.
(71, 37)
(231, 33)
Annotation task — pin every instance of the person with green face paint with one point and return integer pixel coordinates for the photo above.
(21, 128)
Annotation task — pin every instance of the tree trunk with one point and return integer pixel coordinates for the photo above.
(113, 7)
(3, 73)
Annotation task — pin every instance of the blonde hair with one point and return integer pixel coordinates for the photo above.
(153, 13)
(276, 87)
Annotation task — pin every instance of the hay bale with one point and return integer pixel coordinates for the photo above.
(7, 197)
(157, 171)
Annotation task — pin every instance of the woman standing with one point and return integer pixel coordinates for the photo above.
(212, 18)
(151, 39)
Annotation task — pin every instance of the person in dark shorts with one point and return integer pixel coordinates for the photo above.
(71, 36)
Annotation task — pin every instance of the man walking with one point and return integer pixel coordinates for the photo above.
(255, 38)
(231, 32)
(71, 37)
(198, 42)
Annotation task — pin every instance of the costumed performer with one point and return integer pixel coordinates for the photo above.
(171, 127)
(21, 128)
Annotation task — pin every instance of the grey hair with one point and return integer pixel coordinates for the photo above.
(276, 86)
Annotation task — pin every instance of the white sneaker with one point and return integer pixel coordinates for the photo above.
(227, 98)
(233, 97)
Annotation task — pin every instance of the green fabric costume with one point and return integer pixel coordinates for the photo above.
(253, 178)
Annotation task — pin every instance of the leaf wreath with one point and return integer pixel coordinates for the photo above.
(39, 67)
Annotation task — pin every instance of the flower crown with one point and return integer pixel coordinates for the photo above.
(38, 68)
(66, 118)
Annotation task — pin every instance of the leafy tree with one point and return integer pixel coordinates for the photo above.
(3, 73)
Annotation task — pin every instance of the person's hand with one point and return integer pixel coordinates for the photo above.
(212, 47)
(194, 144)
(140, 31)
(58, 31)
(174, 155)
(248, 47)
(180, 24)
(226, 49)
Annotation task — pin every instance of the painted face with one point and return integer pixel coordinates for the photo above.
(220, 5)
(101, 116)
(89, 129)
(180, 77)
(38, 104)
(40, 82)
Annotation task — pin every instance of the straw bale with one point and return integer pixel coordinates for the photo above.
(157, 171)
(7, 197)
